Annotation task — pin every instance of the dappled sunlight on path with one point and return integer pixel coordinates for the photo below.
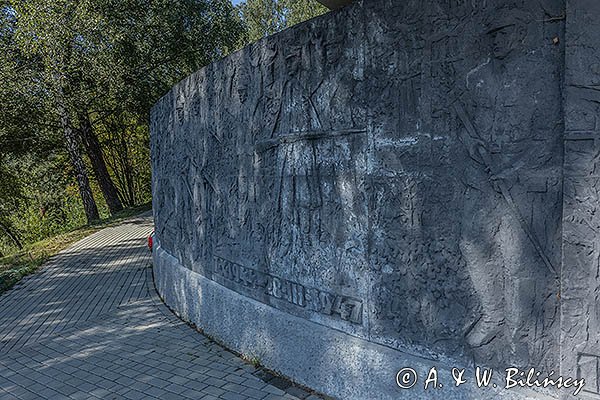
(90, 325)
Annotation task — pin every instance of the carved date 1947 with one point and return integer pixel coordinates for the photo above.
(344, 307)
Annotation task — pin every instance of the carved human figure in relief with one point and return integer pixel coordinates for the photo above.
(300, 193)
(499, 252)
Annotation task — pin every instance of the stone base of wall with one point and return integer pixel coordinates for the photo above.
(329, 361)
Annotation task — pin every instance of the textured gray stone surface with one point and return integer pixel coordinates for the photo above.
(325, 359)
(580, 313)
(394, 171)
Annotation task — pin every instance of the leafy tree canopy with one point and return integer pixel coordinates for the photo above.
(266, 17)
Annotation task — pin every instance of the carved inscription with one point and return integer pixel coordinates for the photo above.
(344, 307)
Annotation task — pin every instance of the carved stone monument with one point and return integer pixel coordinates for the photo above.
(394, 184)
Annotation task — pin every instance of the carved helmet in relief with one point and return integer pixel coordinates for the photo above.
(508, 28)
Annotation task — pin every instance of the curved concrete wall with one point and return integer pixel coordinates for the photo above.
(378, 186)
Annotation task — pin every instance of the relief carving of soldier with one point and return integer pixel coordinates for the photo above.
(504, 254)
(300, 191)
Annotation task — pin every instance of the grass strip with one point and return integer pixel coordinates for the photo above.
(15, 267)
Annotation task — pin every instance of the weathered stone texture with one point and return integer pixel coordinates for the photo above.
(392, 170)
(580, 291)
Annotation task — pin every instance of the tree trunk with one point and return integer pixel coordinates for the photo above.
(127, 169)
(13, 236)
(89, 204)
(94, 152)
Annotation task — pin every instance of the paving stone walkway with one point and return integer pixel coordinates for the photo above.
(90, 325)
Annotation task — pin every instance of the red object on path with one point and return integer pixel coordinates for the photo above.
(151, 240)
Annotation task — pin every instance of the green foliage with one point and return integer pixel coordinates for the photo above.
(10, 277)
(47, 201)
(26, 261)
(110, 60)
(302, 10)
(107, 59)
(125, 140)
(266, 17)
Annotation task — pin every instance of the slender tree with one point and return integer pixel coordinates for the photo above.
(73, 148)
(96, 156)
(79, 78)
(104, 59)
(44, 31)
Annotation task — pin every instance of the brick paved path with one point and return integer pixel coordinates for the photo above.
(90, 325)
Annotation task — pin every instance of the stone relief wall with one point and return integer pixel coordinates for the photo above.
(580, 319)
(392, 170)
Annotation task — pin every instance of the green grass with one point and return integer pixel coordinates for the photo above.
(15, 266)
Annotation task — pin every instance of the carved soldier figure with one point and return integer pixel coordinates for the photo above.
(300, 190)
(502, 250)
